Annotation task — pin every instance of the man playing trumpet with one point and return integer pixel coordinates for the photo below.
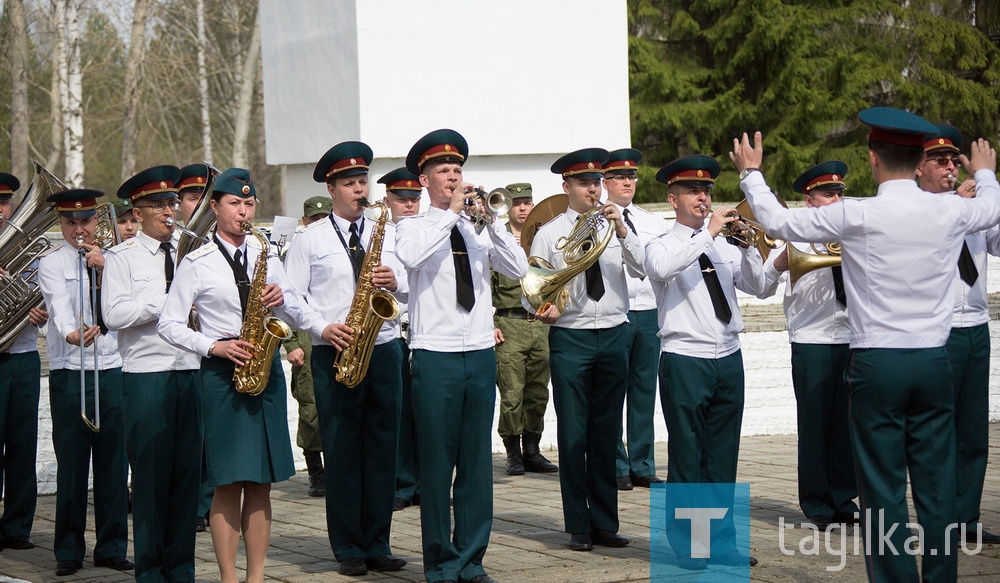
(588, 347)
(695, 275)
(969, 340)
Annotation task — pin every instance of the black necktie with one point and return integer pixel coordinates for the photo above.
(595, 280)
(628, 222)
(463, 270)
(356, 252)
(242, 281)
(168, 262)
(966, 266)
(95, 308)
(838, 285)
(719, 302)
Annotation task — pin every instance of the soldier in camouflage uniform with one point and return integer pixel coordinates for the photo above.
(299, 349)
(522, 352)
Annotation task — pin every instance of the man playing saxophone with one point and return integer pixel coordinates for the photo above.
(588, 347)
(162, 400)
(247, 447)
(20, 387)
(62, 275)
(358, 422)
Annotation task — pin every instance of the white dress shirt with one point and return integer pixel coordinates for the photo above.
(133, 297)
(59, 278)
(812, 311)
(583, 312)
(319, 269)
(688, 324)
(423, 246)
(971, 306)
(648, 227)
(205, 280)
(899, 250)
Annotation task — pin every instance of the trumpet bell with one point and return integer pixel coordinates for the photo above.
(758, 237)
(801, 263)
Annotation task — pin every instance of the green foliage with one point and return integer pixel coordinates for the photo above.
(704, 71)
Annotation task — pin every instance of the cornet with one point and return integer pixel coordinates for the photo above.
(482, 208)
(745, 231)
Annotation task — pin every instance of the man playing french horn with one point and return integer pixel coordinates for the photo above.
(588, 345)
(357, 410)
(247, 447)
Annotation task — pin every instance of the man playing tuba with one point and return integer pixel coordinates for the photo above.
(588, 346)
(359, 423)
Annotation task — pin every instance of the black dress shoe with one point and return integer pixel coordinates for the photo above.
(690, 564)
(821, 522)
(645, 481)
(64, 568)
(734, 559)
(580, 542)
(385, 563)
(353, 567)
(116, 563)
(399, 504)
(972, 535)
(200, 524)
(19, 543)
(624, 483)
(484, 578)
(853, 517)
(606, 538)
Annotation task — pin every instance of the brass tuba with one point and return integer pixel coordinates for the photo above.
(369, 309)
(544, 284)
(801, 263)
(264, 331)
(195, 232)
(22, 242)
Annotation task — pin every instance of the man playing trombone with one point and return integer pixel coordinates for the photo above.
(695, 274)
(20, 386)
(162, 400)
(85, 391)
(816, 310)
(588, 345)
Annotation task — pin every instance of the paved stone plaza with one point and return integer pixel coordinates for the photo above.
(528, 545)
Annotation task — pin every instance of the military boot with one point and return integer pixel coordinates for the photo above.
(534, 461)
(317, 477)
(515, 464)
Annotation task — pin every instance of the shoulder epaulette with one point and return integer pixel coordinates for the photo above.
(123, 245)
(202, 251)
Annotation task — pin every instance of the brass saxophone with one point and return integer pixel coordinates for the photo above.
(261, 329)
(369, 309)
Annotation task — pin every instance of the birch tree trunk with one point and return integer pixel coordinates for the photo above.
(133, 66)
(206, 120)
(19, 91)
(248, 79)
(72, 95)
(57, 94)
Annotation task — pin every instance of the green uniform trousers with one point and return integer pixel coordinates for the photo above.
(359, 427)
(20, 386)
(640, 396)
(407, 474)
(902, 417)
(588, 391)
(826, 465)
(522, 376)
(969, 352)
(162, 435)
(703, 409)
(454, 396)
(74, 443)
(307, 437)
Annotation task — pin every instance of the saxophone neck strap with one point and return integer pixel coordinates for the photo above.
(239, 275)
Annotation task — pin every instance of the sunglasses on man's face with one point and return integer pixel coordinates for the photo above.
(946, 160)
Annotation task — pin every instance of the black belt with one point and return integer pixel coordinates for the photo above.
(519, 313)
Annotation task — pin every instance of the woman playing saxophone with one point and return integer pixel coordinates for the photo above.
(247, 447)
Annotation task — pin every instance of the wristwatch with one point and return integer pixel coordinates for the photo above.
(746, 172)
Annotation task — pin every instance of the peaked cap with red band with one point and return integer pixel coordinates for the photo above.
(156, 183)
(438, 146)
(895, 126)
